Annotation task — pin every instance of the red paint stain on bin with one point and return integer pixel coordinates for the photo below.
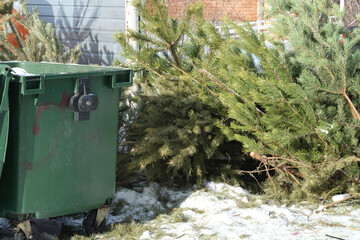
(62, 105)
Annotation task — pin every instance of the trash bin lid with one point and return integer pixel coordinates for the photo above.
(5, 76)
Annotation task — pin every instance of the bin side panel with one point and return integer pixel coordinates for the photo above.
(63, 166)
(5, 77)
(11, 179)
(4, 123)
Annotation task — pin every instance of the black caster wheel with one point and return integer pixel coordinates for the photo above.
(35, 233)
(90, 224)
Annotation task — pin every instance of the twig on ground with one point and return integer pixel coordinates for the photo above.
(263, 160)
(251, 175)
(342, 200)
(334, 237)
(119, 172)
(229, 158)
(128, 183)
(291, 175)
(322, 202)
(180, 236)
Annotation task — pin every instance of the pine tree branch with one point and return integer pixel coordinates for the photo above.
(142, 63)
(184, 73)
(282, 167)
(291, 175)
(342, 92)
(174, 44)
(278, 7)
(18, 38)
(326, 90)
(324, 66)
(300, 116)
(352, 125)
(223, 86)
(164, 23)
(263, 160)
(282, 148)
(327, 194)
(288, 75)
(342, 200)
(312, 110)
(353, 108)
(355, 68)
(252, 175)
(219, 83)
(289, 160)
(175, 55)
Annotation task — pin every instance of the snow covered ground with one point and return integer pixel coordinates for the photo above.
(221, 211)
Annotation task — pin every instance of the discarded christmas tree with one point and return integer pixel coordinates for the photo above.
(176, 134)
(296, 103)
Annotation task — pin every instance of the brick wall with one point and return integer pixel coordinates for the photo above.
(237, 10)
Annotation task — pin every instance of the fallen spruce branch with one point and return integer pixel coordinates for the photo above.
(283, 167)
(263, 160)
(321, 207)
(342, 200)
(322, 202)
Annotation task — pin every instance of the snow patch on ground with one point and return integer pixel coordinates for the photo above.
(221, 211)
(143, 204)
(4, 223)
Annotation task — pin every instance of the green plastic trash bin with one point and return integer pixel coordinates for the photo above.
(58, 138)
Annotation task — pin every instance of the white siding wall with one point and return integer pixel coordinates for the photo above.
(89, 22)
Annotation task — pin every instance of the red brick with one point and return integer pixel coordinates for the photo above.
(237, 10)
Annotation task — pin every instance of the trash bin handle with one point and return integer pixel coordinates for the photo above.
(28, 88)
(6, 77)
(122, 79)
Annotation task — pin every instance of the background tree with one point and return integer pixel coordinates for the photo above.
(40, 44)
(6, 7)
